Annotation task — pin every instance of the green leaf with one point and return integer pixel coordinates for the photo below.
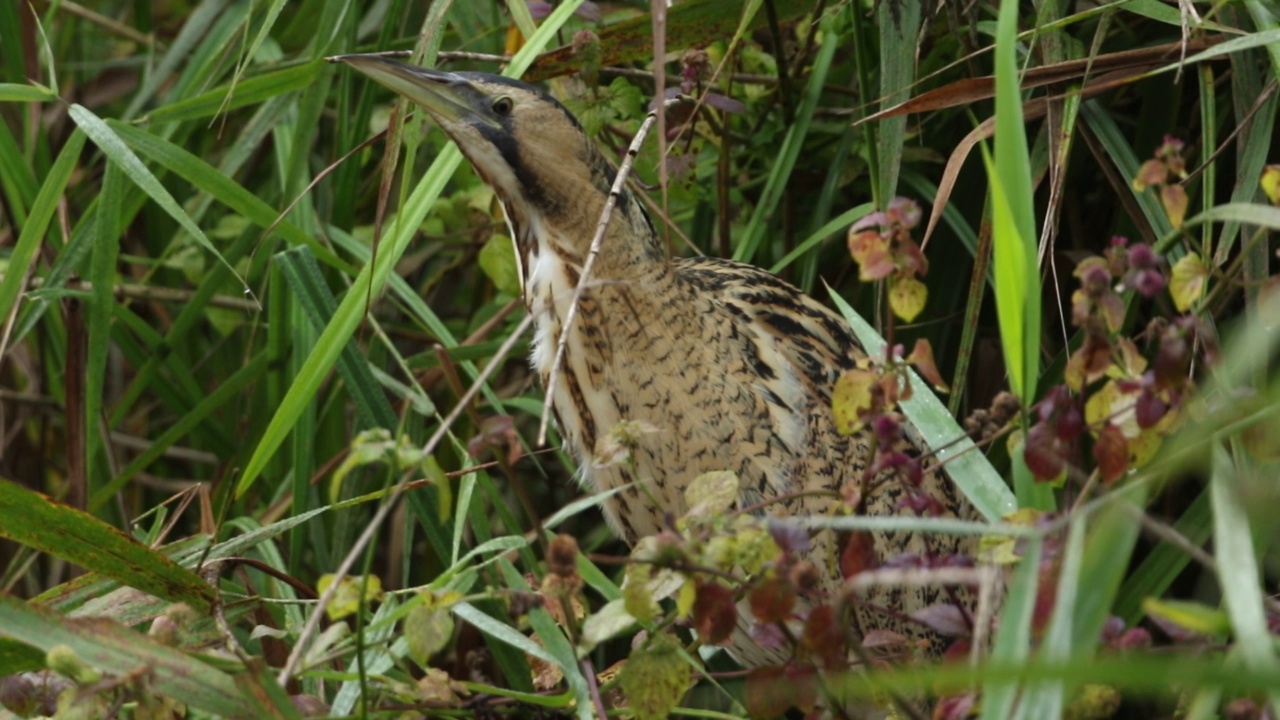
(654, 679)
(38, 222)
(116, 650)
(427, 629)
(313, 295)
(115, 148)
(1233, 548)
(499, 263)
(1013, 638)
(39, 522)
(12, 92)
(1190, 615)
(1013, 219)
(249, 92)
(229, 390)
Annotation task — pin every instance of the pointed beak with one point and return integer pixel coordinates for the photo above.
(444, 95)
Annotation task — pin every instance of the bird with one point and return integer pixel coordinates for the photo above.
(725, 365)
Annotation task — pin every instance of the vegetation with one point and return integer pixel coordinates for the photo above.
(270, 446)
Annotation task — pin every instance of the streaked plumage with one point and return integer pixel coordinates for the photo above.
(731, 366)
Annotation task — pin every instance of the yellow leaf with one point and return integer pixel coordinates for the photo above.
(711, 493)
(684, 601)
(346, 601)
(1174, 199)
(850, 398)
(1187, 281)
(1192, 616)
(1270, 183)
(907, 297)
(427, 630)
(637, 600)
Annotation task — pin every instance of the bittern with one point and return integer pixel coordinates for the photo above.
(732, 367)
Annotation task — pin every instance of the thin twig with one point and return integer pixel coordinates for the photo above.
(135, 291)
(313, 622)
(605, 215)
(593, 685)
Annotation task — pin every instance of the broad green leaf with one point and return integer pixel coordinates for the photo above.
(116, 650)
(39, 522)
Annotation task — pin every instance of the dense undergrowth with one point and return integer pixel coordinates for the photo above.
(234, 351)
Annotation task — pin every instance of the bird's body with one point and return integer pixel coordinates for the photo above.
(718, 365)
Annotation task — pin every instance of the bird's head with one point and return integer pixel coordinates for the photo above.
(529, 148)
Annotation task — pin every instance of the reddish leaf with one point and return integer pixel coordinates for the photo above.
(871, 252)
(765, 693)
(773, 600)
(1152, 172)
(1043, 453)
(955, 707)
(857, 553)
(824, 636)
(714, 613)
(496, 432)
(802, 683)
(922, 358)
(1149, 409)
(957, 651)
(1046, 598)
(1112, 453)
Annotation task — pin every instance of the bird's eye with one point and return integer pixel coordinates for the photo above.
(502, 106)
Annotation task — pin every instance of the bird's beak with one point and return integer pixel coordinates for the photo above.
(444, 95)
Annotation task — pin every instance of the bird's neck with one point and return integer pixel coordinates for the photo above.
(562, 233)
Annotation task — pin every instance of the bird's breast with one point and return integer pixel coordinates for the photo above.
(657, 387)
